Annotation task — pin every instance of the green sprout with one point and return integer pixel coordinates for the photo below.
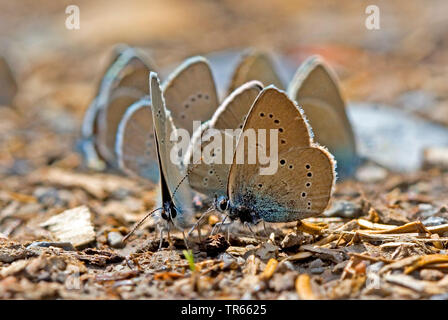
(189, 256)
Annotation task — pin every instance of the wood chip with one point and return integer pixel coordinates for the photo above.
(299, 256)
(73, 225)
(426, 260)
(269, 270)
(420, 286)
(304, 288)
(415, 226)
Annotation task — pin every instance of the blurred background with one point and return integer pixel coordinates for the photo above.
(57, 70)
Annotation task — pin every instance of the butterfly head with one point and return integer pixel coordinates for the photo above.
(169, 211)
(244, 214)
(222, 203)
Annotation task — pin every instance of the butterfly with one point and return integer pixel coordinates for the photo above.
(124, 82)
(190, 93)
(255, 65)
(175, 200)
(206, 178)
(302, 185)
(135, 144)
(315, 88)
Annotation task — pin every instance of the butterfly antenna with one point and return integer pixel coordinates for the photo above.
(139, 224)
(189, 170)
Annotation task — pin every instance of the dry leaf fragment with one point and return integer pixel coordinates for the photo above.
(267, 251)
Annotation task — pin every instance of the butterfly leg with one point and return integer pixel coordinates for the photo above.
(246, 224)
(265, 231)
(161, 238)
(197, 224)
(170, 241)
(219, 225)
(185, 240)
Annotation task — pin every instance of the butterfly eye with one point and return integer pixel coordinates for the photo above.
(223, 205)
(164, 216)
(173, 212)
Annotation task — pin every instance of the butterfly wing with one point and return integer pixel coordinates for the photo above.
(255, 65)
(89, 128)
(172, 175)
(110, 117)
(190, 93)
(304, 179)
(210, 179)
(125, 83)
(135, 144)
(315, 88)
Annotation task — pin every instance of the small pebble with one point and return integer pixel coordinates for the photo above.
(345, 209)
(431, 275)
(371, 173)
(291, 240)
(426, 210)
(316, 263)
(317, 270)
(443, 296)
(434, 221)
(115, 240)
